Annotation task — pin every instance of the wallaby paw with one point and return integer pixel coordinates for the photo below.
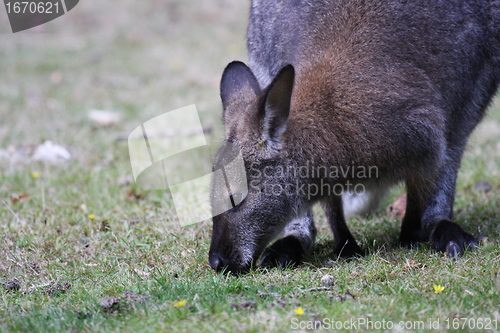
(348, 249)
(450, 238)
(285, 252)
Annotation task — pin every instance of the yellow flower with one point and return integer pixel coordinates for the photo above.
(180, 304)
(299, 311)
(35, 174)
(438, 288)
(91, 216)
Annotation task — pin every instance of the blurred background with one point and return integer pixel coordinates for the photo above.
(136, 58)
(73, 89)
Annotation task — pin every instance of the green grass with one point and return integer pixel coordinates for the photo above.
(143, 59)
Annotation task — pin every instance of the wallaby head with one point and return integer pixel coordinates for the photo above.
(254, 121)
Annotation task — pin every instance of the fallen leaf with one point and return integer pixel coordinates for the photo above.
(104, 118)
(105, 226)
(110, 304)
(398, 207)
(248, 305)
(57, 288)
(50, 152)
(131, 297)
(343, 298)
(411, 264)
(13, 285)
(134, 195)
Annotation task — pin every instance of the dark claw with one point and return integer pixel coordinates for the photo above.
(449, 237)
(453, 250)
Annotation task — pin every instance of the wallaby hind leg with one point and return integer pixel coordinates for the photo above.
(345, 244)
(296, 240)
(445, 235)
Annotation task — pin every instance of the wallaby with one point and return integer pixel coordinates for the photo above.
(344, 95)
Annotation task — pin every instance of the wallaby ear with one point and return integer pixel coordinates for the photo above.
(238, 87)
(277, 106)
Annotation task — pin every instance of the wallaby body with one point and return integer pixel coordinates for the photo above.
(395, 85)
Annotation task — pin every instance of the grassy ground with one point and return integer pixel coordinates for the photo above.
(78, 233)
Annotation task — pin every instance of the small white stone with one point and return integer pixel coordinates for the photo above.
(327, 280)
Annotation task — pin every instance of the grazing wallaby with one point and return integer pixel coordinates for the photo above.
(342, 96)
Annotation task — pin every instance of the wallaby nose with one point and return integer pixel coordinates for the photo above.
(216, 262)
